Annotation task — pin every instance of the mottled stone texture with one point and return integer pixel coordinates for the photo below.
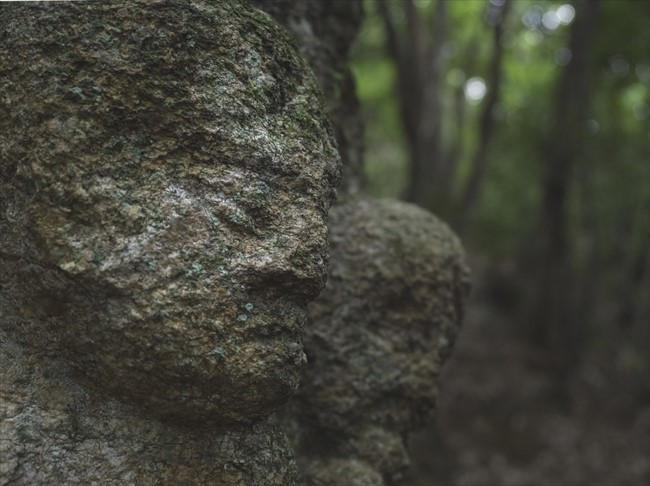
(324, 31)
(166, 170)
(55, 431)
(379, 334)
(168, 186)
(383, 326)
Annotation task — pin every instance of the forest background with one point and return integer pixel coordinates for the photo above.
(526, 125)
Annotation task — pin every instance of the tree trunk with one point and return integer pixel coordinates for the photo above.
(418, 58)
(554, 326)
(454, 152)
(472, 190)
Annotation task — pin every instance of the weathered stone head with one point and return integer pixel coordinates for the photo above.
(380, 333)
(163, 200)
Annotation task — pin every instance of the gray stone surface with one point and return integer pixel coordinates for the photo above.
(165, 174)
(324, 31)
(379, 334)
(393, 303)
(55, 431)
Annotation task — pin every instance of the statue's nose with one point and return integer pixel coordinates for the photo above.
(298, 269)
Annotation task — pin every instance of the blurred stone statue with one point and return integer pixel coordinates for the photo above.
(166, 170)
(380, 331)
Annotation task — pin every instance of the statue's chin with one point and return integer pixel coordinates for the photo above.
(199, 379)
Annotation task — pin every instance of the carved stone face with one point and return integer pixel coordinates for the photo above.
(396, 288)
(165, 198)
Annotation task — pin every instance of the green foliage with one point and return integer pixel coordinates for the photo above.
(609, 183)
(534, 57)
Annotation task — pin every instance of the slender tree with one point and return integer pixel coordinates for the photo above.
(554, 323)
(496, 15)
(458, 119)
(418, 55)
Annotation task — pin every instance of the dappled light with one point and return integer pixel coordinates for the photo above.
(475, 89)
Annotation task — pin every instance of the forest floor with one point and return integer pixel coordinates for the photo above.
(500, 423)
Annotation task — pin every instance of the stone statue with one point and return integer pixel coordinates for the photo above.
(386, 321)
(166, 170)
(378, 336)
(166, 173)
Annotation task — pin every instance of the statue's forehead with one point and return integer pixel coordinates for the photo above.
(183, 86)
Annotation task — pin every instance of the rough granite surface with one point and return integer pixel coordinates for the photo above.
(166, 168)
(324, 31)
(165, 174)
(378, 336)
(55, 431)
